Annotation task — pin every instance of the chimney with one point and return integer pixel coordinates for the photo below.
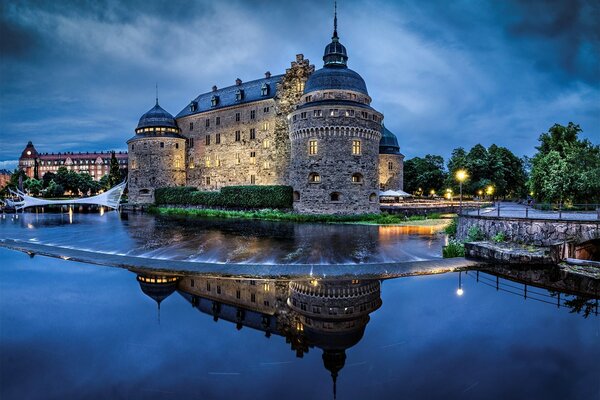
(267, 74)
(214, 88)
(299, 57)
(238, 81)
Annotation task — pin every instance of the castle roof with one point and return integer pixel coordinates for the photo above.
(389, 142)
(29, 151)
(240, 93)
(157, 117)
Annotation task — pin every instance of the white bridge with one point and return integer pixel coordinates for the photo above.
(111, 198)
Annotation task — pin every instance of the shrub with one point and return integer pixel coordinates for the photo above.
(453, 249)
(452, 227)
(475, 234)
(230, 197)
(499, 237)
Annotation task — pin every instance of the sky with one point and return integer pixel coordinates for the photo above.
(76, 76)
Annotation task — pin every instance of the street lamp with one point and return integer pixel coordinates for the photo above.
(461, 176)
(489, 190)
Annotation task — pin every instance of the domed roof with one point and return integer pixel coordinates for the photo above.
(335, 77)
(157, 116)
(389, 142)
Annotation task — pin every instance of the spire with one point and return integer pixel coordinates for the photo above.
(156, 93)
(335, 35)
(334, 376)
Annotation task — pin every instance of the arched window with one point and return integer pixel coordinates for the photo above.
(357, 178)
(314, 177)
(335, 196)
(144, 192)
(296, 196)
(373, 197)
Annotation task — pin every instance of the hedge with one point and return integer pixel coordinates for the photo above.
(229, 197)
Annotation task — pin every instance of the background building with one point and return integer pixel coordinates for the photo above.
(97, 164)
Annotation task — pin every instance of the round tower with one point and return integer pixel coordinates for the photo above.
(391, 162)
(334, 136)
(156, 155)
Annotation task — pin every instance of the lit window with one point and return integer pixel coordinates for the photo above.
(207, 161)
(356, 147)
(314, 177)
(177, 163)
(317, 113)
(357, 178)
(266, 165)
(217, 161)
(312, 147)
(266, 143)
(265, 126)
(253, 157)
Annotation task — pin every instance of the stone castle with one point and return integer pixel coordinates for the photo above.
(313, 130)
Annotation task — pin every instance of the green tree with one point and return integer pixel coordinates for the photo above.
(54, 189)
(114, 175)
(425, 173)
(33, 186)
(48, 176)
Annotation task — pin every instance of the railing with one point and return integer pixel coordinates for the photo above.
(587, 212)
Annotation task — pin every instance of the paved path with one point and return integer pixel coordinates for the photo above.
(515, 210)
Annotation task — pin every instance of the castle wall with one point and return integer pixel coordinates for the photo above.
(391, 172)
(152, 165)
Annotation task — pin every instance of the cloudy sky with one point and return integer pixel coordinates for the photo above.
(76, 76)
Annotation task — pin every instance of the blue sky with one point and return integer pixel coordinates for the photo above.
(77, 76)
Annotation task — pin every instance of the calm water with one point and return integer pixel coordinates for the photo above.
(71, 330)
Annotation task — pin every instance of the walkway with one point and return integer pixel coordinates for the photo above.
(515, 210)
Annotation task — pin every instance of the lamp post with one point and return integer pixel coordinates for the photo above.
(461, 175)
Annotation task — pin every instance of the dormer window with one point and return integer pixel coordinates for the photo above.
(239, 95)
(214, 101)
(264, 90)
(193, 106)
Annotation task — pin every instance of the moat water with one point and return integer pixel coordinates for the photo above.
(73, 330)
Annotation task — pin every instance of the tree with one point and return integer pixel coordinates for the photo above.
(565, 168)
(424, 173)
(48, 176)
(114, 175)
(33, 186)
(54, 189)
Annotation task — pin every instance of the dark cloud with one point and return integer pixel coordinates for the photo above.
(77, 75)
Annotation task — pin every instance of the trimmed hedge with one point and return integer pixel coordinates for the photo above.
(229, 197)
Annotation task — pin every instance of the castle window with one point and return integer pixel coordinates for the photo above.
(372, 197)
(162, 144)
(191, 282)
(252, 114)
(265, 126)
(208, 286)
(252, 181)
(191, 163)
(208, 183)
(266, 110)
(294, 117)
(356, 147)
(218, 289)
(390, 166)
(132, 148)
(237, 136)
(303, 115)
(218, 121)
(349, 113)
(264, 89)
(266, 144)
(214, 101)
(357, 178)
(238, 160)
(207, 138)
(191, 142)
(238, 294)
(300, 86)
(191, 126)
(193, 106)
(313, 177)
(133, 164)
(217, 161)
(176, 145)
(317, 113)
(364, 114)
(296, 196)
(237, 117)
(266, 165)
(239, 95)
(335, 197)
(308, 98)
(177, 163)
(253, 297)
(218, 138)
(312, 147)
(253, 157)
(207, 122)
(252, 133)
(207, 161)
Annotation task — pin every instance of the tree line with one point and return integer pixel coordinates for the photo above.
(565, 169)
(65, 182)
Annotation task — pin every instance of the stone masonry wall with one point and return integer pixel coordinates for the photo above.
(391, 178)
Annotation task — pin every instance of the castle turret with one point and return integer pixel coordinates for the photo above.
(391, 162)
(156, 155)
(335, 137)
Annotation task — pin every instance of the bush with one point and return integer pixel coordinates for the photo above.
(450, 230)
(499, 237)
(475, 234)
(453, 249)
(230, 197)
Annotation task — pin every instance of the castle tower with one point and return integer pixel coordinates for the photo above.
(391, 162)
(28, 161)
(335, 136)
(156, 155)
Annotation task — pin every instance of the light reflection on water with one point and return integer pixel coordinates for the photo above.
(239, 241)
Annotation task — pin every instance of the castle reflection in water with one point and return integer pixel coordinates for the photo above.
(330, 315)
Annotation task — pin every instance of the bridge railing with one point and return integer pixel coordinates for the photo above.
(536, 211)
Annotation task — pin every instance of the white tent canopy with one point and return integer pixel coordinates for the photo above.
(394, 193)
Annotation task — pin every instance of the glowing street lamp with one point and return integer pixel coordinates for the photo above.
(489, 190)
(461, 176)
(432, 192)
(460, 290)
